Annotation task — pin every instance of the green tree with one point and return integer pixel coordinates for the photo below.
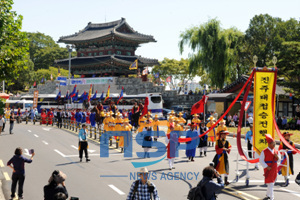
(13, 43)
(178, 69)
(25, 80)
(46, 73)
(44, 51)
(215, 51)
(289, 66)
(265, 35)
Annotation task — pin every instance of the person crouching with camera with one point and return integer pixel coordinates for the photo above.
(56, 185)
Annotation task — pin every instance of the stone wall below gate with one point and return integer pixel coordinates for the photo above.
(132, 86)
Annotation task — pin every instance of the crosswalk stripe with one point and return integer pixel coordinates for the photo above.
(116, 189)
(1, 163)
(6, 176)
(292, 192)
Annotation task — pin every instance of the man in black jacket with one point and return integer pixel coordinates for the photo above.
(59, 118)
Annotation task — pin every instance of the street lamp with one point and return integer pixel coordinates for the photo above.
(70, 49)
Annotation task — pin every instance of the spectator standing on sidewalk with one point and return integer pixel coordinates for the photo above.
(16, 163)
(11, 122)
(142, 188)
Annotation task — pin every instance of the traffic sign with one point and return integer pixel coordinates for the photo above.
(247, 104)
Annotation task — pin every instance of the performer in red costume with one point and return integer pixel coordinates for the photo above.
(44, 116)
(50, 116)
(88, 113)
(73, 116)
(268, 159)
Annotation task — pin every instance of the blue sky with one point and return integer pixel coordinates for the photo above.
(164, 19)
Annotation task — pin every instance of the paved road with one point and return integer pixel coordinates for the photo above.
(56, 149)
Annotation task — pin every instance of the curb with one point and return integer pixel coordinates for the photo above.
(277, 141)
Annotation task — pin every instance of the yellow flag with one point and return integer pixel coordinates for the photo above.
(107, 94)
(134, 65)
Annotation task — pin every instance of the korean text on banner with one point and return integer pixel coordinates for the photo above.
(35, 98)
(263, 122)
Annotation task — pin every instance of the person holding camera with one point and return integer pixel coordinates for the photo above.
(56, 186)
(16, 163)
(207, 188)
(83, 144)
(142, 188)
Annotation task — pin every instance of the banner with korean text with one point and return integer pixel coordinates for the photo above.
(35, 98)
(263, 97)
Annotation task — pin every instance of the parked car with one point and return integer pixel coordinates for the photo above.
(166, 113)
(178, 109)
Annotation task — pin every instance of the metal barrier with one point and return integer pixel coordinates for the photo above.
(247, 166)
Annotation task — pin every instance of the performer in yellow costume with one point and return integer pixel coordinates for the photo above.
(181, 120)
(156, 124)
(212, 134)
(142, 122)
(196, 121)
(170, 123)
(111, 123)
(105, 122)
(123, 141)
(221, 127)
(177, 126)
(118, 122)
(118, 127)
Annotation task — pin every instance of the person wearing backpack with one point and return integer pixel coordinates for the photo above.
(143, 189)
(207, 188)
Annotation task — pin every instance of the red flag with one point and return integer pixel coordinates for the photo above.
(121, 96)
(34, 84)
(168, 80)
(145, 109)
(198, 107)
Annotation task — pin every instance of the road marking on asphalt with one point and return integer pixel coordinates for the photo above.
(259, 181)
(234, 194)
(46, 143)
(46, 129)
(26, 152)
(60, 153)
(1, 163)
(243, 193)
(292, 192)
(6, 176)
(35, 135)
(90, 151)
(116, 189)
(29, 131)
